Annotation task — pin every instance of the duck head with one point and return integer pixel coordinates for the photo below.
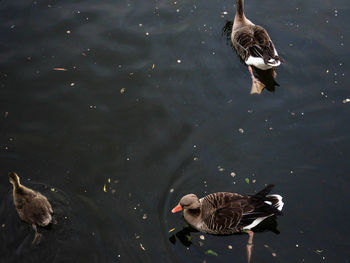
(14, 178)
(189, 201)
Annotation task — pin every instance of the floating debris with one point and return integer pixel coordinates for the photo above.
(60, 69)
(254, 181)
(201, 237)
(211, 252)
(53, 189)
(122, 90)
(247, 180)
(109, 180)
(153, 66)
(72, 84)
(195, 158)
(221, 169)
(144, 216)
(68, 31)
(233, 174)
(179, 61)
(105, 188)
(241, 130)
(171, 190)
(346, 100)
(229, 247)
(171, 230)
(274, 254)
(142, 247)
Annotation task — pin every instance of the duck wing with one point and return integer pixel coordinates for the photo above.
(260, 206)
(223, 211)
(254, 42)
(227, 213)
(37, 210)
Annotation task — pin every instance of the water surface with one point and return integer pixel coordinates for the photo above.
(150, 108)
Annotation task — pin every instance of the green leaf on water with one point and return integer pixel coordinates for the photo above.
(188, 238)
(247, 180)
(211, 252)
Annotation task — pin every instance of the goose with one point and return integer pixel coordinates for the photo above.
(225, 213)
(32, 207)
(254, 46)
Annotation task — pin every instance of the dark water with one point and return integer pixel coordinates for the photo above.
(126, 115)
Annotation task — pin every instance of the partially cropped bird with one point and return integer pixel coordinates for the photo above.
(225, 213)
(254, 46)
(32, 207)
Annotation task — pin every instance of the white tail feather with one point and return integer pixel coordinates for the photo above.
(279, 205)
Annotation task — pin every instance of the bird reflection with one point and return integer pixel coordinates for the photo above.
(184, 236)
(267, 77)
(269, 224)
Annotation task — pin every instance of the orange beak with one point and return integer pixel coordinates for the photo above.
(177, 208)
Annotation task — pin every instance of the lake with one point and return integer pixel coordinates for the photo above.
(116, 109)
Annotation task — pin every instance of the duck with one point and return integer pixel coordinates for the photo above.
(225, 213)
(32, 207)
(254, 47)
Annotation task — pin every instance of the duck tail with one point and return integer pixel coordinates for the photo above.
(262, 194)
(272, 204)
(275, 200)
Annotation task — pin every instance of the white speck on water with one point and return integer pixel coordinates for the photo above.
(201, 237)
(144, 216)
(346, 100)
(179, 61)
(241, 130)
(171, 190)
(233, 174)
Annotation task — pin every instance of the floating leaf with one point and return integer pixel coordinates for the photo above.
(104, 188)
(188, 238)
(211, 252)
(60, 69)
(171, 230)
(247, 180)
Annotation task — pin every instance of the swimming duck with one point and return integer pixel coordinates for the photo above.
(32, 207)
(225, 213)
(254, 46)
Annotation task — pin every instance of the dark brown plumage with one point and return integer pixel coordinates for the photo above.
(254, 46)
(32, 207)
(227, 213)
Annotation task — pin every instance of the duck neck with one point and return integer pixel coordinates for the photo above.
(17, 187)
(240, 9)
(192, 215)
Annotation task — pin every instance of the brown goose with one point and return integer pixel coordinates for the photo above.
(32, 207)
(227, 213)
(254, 46)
